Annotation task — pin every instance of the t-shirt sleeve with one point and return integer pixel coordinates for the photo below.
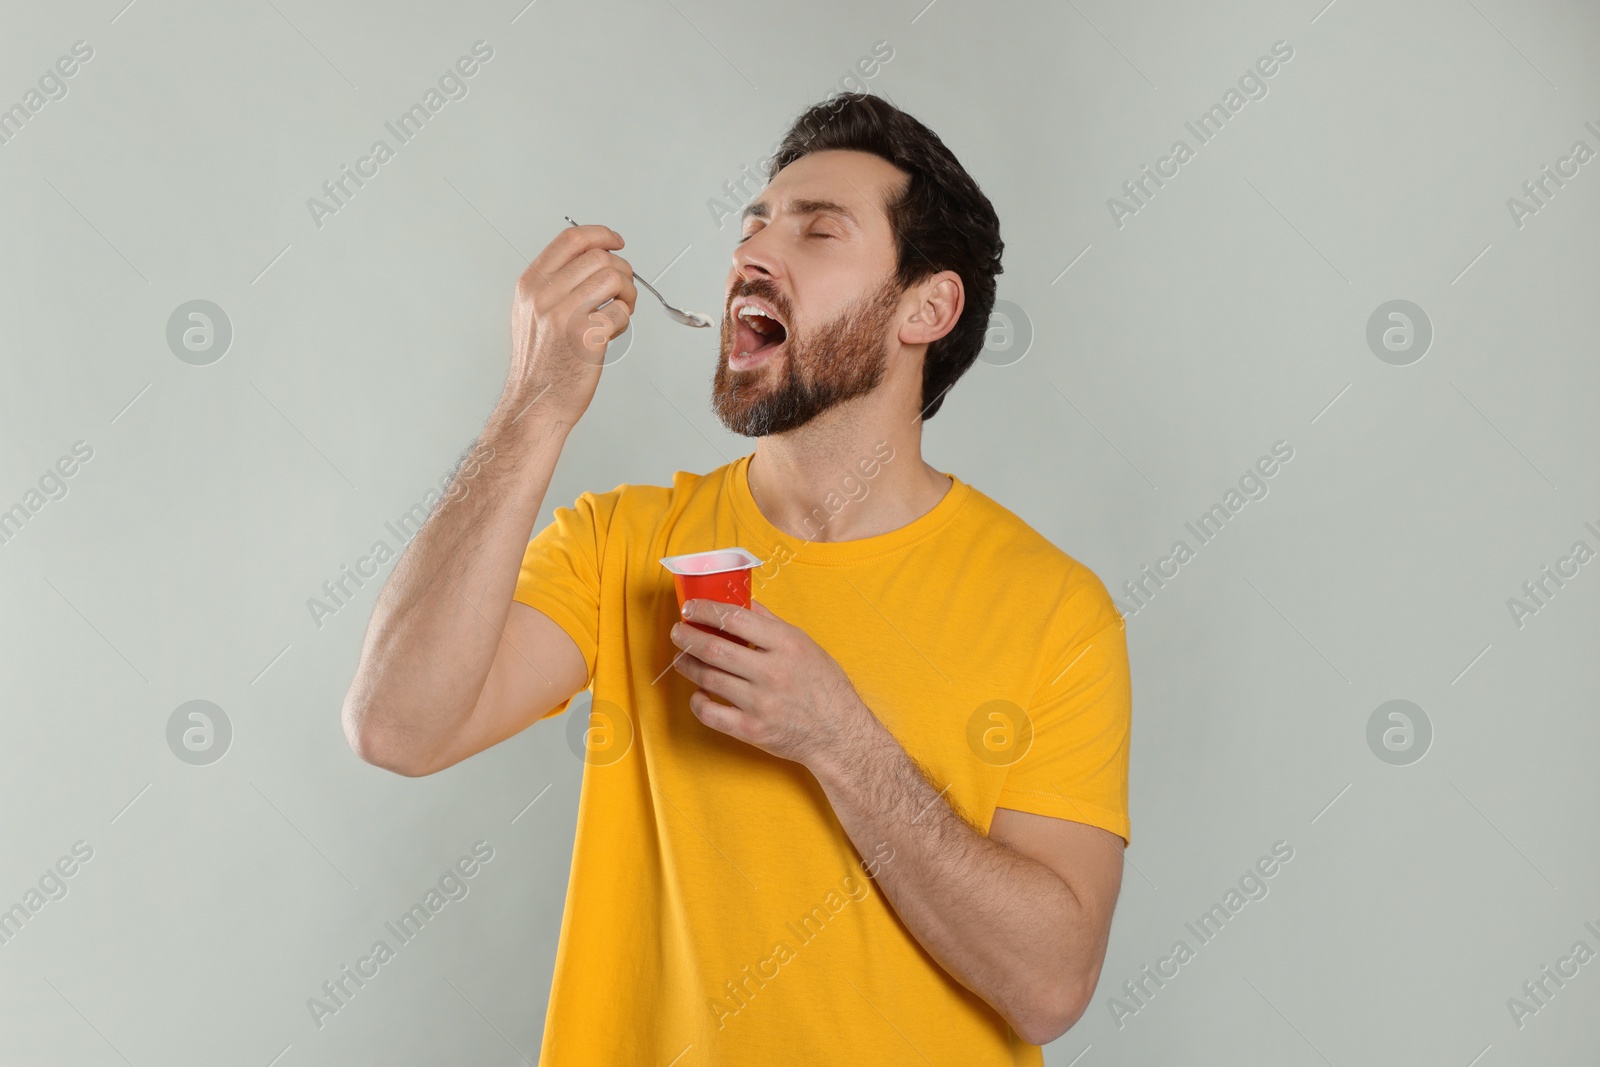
(1077, 765)
(560, 573)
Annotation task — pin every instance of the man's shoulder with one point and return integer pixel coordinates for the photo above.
(1032, 565)
(628, 500)
(1004, 531)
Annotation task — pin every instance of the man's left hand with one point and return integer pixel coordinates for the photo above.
(785, 695)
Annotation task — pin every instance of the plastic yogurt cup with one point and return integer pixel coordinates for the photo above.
(722, 574)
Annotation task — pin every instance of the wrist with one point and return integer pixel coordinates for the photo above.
(529, 415)
(851, 752)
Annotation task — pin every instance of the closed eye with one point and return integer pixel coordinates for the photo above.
(826, 236)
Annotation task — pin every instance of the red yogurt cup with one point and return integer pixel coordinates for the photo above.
(722, 574)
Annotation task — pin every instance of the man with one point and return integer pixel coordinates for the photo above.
(879, 815)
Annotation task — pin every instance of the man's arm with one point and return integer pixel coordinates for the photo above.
(446, 668)
(1020, 917)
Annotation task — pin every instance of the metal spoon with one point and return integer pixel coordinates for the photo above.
(688, 318)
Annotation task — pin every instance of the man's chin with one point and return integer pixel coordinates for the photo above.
(746, 412)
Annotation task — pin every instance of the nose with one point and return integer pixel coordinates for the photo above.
(753, 258)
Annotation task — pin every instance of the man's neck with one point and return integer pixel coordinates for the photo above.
(814, 483)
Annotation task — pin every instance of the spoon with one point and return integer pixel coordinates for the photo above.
(688, 318)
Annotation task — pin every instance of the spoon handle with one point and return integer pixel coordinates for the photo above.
(688, 318)
(650, 287)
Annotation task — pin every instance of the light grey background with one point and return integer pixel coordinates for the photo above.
(1229, 313)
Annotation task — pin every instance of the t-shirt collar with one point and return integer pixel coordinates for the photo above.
(769, 537)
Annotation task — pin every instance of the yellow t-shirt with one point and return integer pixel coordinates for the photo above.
(716, 911)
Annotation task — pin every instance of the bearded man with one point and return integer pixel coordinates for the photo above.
(877, 816)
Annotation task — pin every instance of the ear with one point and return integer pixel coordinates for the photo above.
(940, 299)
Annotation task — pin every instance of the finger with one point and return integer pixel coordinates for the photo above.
(732, 689)
(761, 630)
(721, 652)
(719, 717)
(599, 261)
(597, 279)
(571, 243)
(605, 324)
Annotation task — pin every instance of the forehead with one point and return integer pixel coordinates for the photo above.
(854, 186)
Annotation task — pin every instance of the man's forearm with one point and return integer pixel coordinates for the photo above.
(435, 628)
(1003, 924)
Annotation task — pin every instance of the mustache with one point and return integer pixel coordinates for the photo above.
(766, 290)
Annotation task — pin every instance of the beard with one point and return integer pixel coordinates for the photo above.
(845, 358)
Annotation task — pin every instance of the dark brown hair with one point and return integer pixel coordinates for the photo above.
(942, 220)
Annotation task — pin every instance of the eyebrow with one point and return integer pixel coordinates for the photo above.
(760, 210)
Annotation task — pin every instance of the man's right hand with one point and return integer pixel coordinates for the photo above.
(559, 331)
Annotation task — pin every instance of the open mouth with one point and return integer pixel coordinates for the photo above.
(756, 332)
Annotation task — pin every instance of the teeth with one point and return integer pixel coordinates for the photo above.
(748, 311)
